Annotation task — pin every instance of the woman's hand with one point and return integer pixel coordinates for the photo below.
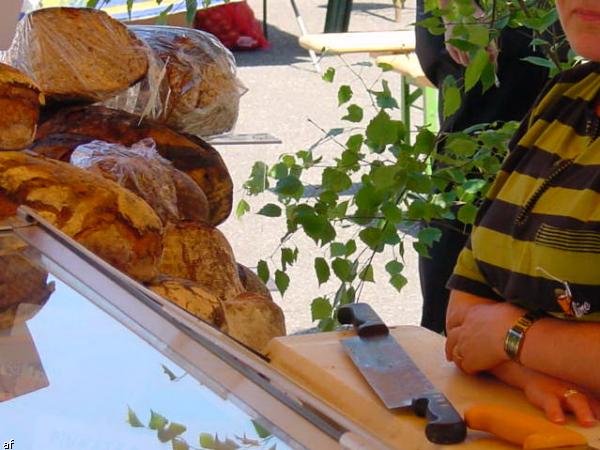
(476, 332)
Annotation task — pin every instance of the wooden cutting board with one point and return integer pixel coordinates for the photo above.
(319, 363)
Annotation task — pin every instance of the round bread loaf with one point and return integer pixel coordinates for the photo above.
(20, 101)
(254, 320)
(201, 253)
(112, 222)
(59, 135)
(78, 54)
(193, 297)
(252, 283)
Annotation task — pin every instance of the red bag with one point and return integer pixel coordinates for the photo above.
(233, 24)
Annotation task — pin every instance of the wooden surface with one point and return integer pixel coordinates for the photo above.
(319, 363)
(408, 65)
(359, 42)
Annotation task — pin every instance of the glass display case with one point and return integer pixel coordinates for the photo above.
(90, 359)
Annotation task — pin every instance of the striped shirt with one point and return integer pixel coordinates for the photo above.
(536, 239)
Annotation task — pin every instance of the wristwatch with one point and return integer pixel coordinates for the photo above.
(513, 342)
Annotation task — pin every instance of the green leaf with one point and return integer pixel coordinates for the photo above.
(425, 141)
(381, 131)
(384, 177)
(321, 309)
(329, 75)
(350, 247)
(337, 249)
(384, 98)
(392, 213)
(163, 16)
(335, 180)
(478, 34)
(132, 419)
(129, 8)
(475, 69)
(207, 440)
(452, 99)
(467, 213)
(394, 267)
(355, 114)
(270, 210)
(171, 432)
(242, 208)
(429, 235)
(461, 145)
(288, 257)
(344, 94)
(157, 422)
(179, 444)
(92, 3)
(398, 281)
(372, 237)
(354, 142)
(327, 325)
(261, 431)
(170, 374)
(258, 179)
(290, 186)
(342, 269)
(385, 67)
(367, 274)
(262, 270)
(191, 7)
(282, 281)
(538, 61)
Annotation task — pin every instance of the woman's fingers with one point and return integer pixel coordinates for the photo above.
(581, 406)
(451, 339)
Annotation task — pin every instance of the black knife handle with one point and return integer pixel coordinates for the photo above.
(444, 424)
(364, 318)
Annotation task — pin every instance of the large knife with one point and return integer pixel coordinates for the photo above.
(525, 430)
(394, 376)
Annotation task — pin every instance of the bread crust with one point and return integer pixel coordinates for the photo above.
(20, 102)
(110, 221)
(189, 154)
(201, 253)
(254, 320)
(78, 54)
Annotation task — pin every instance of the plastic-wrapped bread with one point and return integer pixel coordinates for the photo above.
(193, 297)
(253, 320)
(78, 54)
(201, 253)
(171, 193)
(109, 220)
(59, 135)
(196, 91)
(251, 281)
(20, 101)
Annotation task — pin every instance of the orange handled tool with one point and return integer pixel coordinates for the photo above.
(528, 431)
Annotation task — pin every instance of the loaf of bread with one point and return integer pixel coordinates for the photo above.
(253, 320)
(24, 286)
(201, 253)
(109, 220)
(78, 54)
(20, 101)
(193, 297)
(198, 88)
(59, 135)
(171, 193)
(252, 283)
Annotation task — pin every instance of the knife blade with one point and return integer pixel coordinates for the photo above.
(526, 430)
(395, 378)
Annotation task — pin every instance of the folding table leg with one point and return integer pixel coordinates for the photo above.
(265, 28)
(313, 55)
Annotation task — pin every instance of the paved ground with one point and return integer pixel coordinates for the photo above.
(286, 97)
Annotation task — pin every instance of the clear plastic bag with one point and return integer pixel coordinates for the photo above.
(143, 171)
(196, 91)
(78, 54)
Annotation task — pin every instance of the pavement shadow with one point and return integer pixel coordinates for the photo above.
(284, 50)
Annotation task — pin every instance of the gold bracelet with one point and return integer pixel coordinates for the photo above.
(515, 336)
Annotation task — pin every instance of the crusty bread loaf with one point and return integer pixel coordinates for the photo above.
(254, 320)
(110, 221)
(78, 54)
(187, 153)
(171, 193)
(193, 297)
(200, 93)
(20, 101)
(201, 253)
(24, 286)
(251, 281)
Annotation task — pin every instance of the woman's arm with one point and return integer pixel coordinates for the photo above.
(477, 327)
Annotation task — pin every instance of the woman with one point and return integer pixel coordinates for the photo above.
(525, 300)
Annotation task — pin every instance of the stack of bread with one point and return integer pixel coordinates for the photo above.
(141, 195)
